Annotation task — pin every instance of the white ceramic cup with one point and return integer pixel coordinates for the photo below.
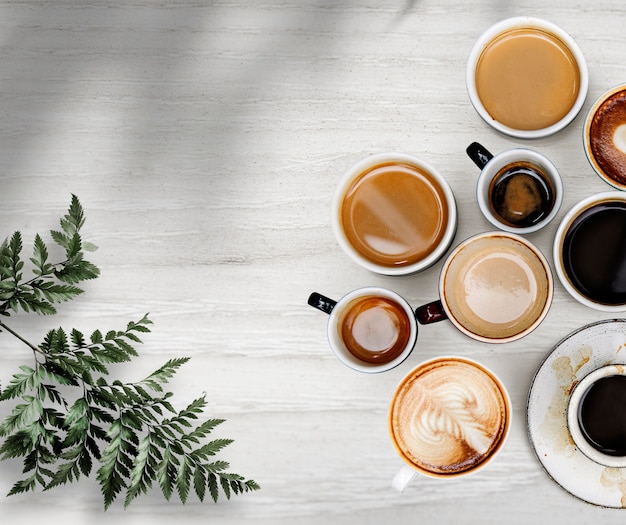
(560, 250)
(573, 422)
(449, 417)
(491, 166)
(379, 326)
(495, 287)
(391, 215)
(519, 23)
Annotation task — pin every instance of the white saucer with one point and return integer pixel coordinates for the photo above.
(572, 358)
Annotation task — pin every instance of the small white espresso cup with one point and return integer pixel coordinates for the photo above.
(370, 329)
(449, 417)
(596, 415)
(514, 87)
(518, 190)
(394, 214)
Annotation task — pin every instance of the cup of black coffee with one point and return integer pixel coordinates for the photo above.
(596, 415)
(590, 251)
(518, 190)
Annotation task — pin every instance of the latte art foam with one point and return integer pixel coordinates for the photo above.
(449, 417)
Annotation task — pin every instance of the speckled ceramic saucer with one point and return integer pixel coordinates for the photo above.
(581, 352)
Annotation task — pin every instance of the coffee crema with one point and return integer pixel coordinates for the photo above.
(527, 78)
(594, 253)
(374, 329)
(607, 137)
(521, 195)
(449, 417)
(394, 214)
(602, 415)
(496, 288)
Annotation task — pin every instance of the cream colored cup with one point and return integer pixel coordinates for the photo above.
(448, 417)
(606, 409)
(394, 214)
(538, 74)
(495, 287)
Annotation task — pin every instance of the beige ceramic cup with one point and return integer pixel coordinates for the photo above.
(394, 214)
(495, 287)
(526, 77)
(448, 417)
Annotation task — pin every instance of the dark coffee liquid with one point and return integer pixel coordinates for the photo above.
(602, 415)
(594, 253)
(521, 195)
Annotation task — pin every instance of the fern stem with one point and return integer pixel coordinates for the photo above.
(18, 336)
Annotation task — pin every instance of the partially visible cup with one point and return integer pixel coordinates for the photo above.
(495, 287)
(590, 251)
(370, 330)
(596, 415)
(527, 77)
(604, 136)
(394, 214)
(448, 417)
(518, 190)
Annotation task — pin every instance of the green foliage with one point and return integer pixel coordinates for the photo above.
(69, 419)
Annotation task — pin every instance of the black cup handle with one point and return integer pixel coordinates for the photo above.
(431, 313)
(479, 154)
(322, 303)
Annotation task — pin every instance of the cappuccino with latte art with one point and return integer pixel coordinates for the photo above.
(449, 417)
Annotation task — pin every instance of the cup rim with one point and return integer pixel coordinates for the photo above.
(344, 355)
(504, 158)
(549, 292)
(586, 142)
(448, 357)
(572, 415)
(533, 22)
(557, 252)
(371, 161)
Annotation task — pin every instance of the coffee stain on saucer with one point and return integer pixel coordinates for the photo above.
(613, 478)
(555, 421)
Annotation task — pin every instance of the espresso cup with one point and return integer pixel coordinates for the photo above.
(370, 330)
(448, 417)
(590, 254)
(518, 190)
(526, 77)
(596, 415)
(495, 287)
(394, 214)
(604, 137)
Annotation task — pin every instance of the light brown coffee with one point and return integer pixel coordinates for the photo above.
(374, 329)
(607, 137)
(496, 287)
(449, 416)
(527, 78)
(394, 214)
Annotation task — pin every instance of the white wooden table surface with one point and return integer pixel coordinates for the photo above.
(204, 139)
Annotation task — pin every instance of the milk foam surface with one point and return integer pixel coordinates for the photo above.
(449, 418)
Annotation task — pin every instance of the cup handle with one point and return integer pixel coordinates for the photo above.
(322, 303)
(403, 477)
(431, 313)
(479, 154)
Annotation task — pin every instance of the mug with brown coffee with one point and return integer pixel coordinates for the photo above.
(526, 77)
(448, 417)
(596, 415)
(518, 190)
(394, 214)
(604, 136)
(494, 287)
(370, 330)
(590, 253)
